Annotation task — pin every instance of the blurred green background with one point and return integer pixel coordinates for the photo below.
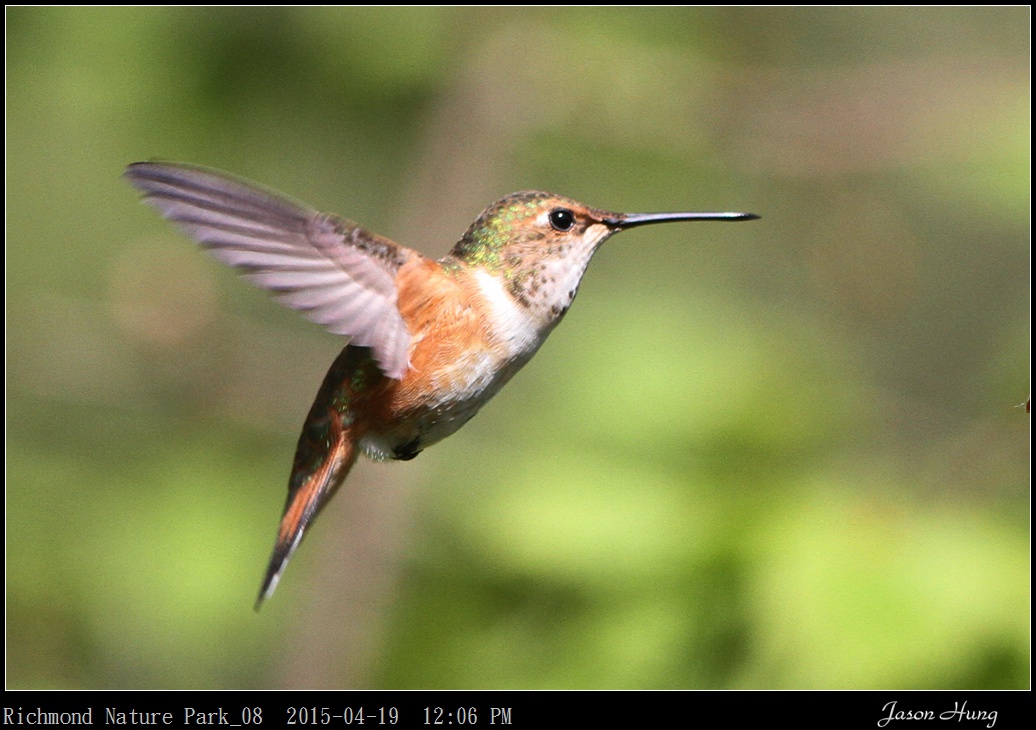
(780, 454)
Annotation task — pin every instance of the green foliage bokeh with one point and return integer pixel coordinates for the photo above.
(783, 454)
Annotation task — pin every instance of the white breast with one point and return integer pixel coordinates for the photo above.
(514, 326)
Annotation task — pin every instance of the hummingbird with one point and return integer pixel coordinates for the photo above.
(430, 341)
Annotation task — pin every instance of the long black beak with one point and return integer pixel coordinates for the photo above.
(623, 221)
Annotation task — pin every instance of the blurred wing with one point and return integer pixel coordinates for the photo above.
(336, 273)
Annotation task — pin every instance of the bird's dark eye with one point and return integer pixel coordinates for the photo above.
(561, 219)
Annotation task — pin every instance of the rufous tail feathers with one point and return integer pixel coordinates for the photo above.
(325, 454)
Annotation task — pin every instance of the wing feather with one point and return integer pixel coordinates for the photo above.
(332, 270)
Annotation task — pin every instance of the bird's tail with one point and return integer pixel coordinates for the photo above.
(325, 454)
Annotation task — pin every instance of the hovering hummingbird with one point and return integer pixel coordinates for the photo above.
(430, 341)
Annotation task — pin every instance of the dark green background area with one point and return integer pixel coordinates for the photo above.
(778, 454)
